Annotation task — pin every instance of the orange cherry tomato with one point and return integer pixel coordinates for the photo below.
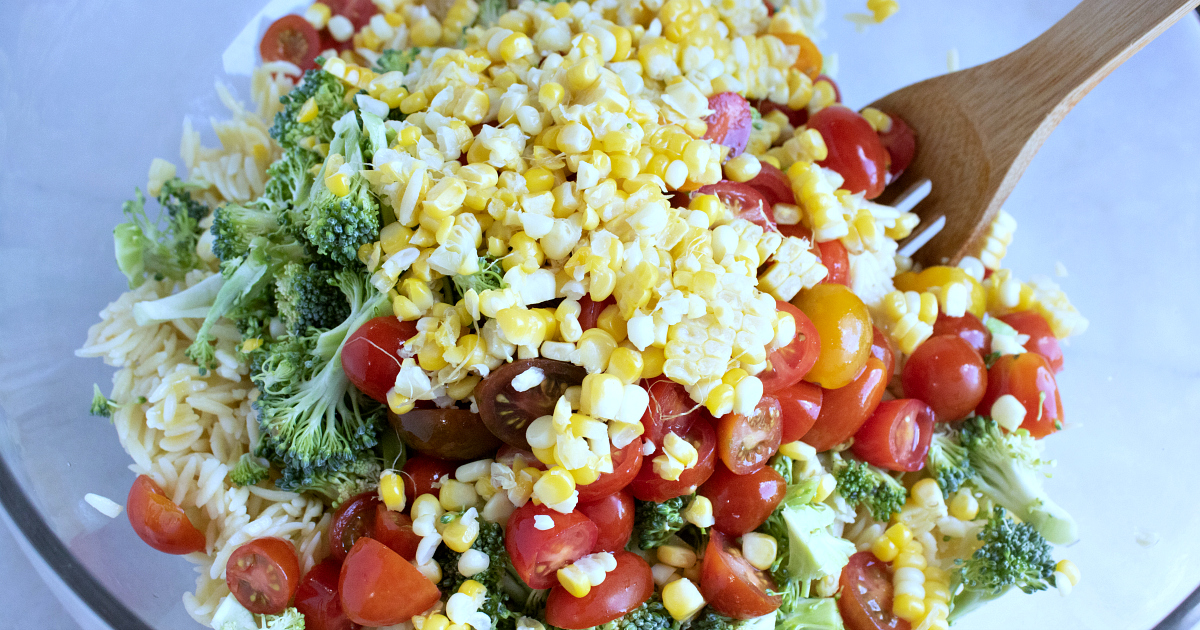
(800, 404)
(263, 574)
(537, 554)
(613, 516)
(948, 374)
(623, 589)
(626, 464)
(395, 530)
(896, 436)
(743, 502)
(371, 355)
(159, 521)
(855, 150)
(353, 519)
(809, 61)
(379, 588)
(968, 327)
(747, 442)
(291, 38)
(844, 410)
(866, 601)
(318, 600)
(731, 585)
(456, 434)
(729, 124)
(649, 486)
(786, 366)
(1041, 338)
(844, 329)
(1030, 379)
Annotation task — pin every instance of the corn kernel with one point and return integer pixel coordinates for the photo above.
(759, 550)
(885, 549)
(550, 95)
(1068, 568)
(574, 580)
(964, 506)
(391, 491)
(682, 599)
(676, 556)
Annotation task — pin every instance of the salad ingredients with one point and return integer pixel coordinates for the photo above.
(159, 521)
(263, 575)
(541, 541)
(508, 412)
(855, 150)
(624, 590)
(845, 409)
(896, 437)
(748, 441)
(742, 502)
(843, 326)
(317, 598)
(379, 588)
(292, 39)
(946, 373)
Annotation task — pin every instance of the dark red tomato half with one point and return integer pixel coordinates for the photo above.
(786, 366)
(800, 404)
(613, 516)
(729, 124)
(896, 436)
(291, 38)
(948, 374)
(901, 144)
(371, 358)
(881, 348)
(318, 600)
(421, 472)
(845, 409)
(968, 327)
(590, 311)
(623, 589)
(158, 521)
(837, 260)
(1041, 338)
(648, 486)
(263, 574)
(855, 151)
(743, 502)
(866, 601)
(745, 202)
(353, 519)
(507, 412)
(395, 530)
(746, 442)
(773, 185)
(626, 464)
(455, 434)
(1029, 378)
(359, 12)
(731, 585)
(537, 554)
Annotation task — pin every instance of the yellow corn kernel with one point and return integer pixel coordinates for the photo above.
(585, 475)
(515, 46)
(426, 32)
(308, 111)
(885, 549)
(880, 122)
(399, 404)
(964, 506)
(676, 556)
(338, 184)
(414, 102)
(708, 204)
(555, 486)
(551, 95)
(899, 534)
(743, 168)
(434, 622)
(472, 589)
(426, 504)
(926, 493)
(720, 400)
(460, 533)
(250, 345)
(456, 496)
(562, 10)
(682, 599)
(759, 550)
(653, 359)
(625, 364)
(882, 9)
(574, 580)
(394, 96)
(1068, 568)
(391, 490)
(770, 159)
(908, 607)
(408, 136)
(461, 390)
(912, 554)
(610, 321)
(596, 346)
(617, 141)
(539, 180)
(700, 512)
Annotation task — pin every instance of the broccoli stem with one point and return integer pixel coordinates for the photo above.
(192, 303)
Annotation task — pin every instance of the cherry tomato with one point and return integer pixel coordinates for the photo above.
(843, 327)
(881, 348)
(800, 405)
(623, 589)
(671, 410)
(519, 459)
(379, 588)
(896, 436)
(940, 276)
(729, 124)
(745, 202)
(318, 600)
(507, 412)
(353, 519)
(626, 464)
(731, 585)
(786, 366)
(370, 357)
(743, 502)
(946, 373)
(1030, 379)
(446, 433)
(359, 12)
(648, 486)
(291, 38)
(420, 473)
(395, 530)
(901, 144)
(1041, 338)
(809, 61)
(968, 327)
(866, 601)
(538, 554)
(748, 441)
(159, 521)
(589, 311)
(844, 410)
(263, 575)
(613, 516)
(855, 151)
(773, 185)
(837, 260)
(796, 117)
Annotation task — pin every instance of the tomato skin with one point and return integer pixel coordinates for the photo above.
(359, 12)
(370, 357)
(421, 472)
(318, 599)
(773, 185)
(837, 260)
(743, 502)
(946, 373)
(896, 436)
(729, 124)
(395, 530)
(881, 348)
(590, 310)
(968, 327)
(159, 522)
(866, 601)
(1026, 376)
(844, 329)
(791, 363)
(626, 464)
(1041, 338)
(353, 519)
(613, 516)
(446, 433)
(796, 117)
(745, 202)
(507, 413)
(670, 410)
(844, 410)
(263, 574)
(538, 554)
(291, 38)
(855, 151)
(624, 589)
(901, 144)
(648, 486)
(731, 585)
(800, 404)
(379, 588)
(747, 442)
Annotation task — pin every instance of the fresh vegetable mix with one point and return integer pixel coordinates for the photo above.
(582, 315)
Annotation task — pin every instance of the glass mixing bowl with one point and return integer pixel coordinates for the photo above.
(91, 91)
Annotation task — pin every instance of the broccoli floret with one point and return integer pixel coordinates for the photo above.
(249, 470)
(861, 483)
(655, 523)
(230, 615)
(490, 12)
(393, 60)
(1008, 469)
(948, 462)
(163, 248)
(328, 93)
(336, 484)
(306, 298)
(500, 604)
(1013, 554)
(783, 465)
(102, 405)
(489, 277)
(651, 615)
(338, 225)
(708, 619)
(235, 227)
(289, 178)
(176, 198)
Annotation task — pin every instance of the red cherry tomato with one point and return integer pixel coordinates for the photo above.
(395, 530)
(589, 311)
(743, 502)
(359, 12)
(671, 410)
(866, 601)
(896, 436)
(845, 409)
(1029, 378)
(855, 152)
(626, 464)
(648, 486)
(786, 366)
(796, 117)
(613, 516)
(901, 144)
(291, 38)
(748, 441)
(946, 373)
(837, 260)
(421, 472)
(1041, 338)
(731, 585)
(263, 574)
(354, 519)
(773, 185)
(371, 355)
(745, 202)
(318, 600)
(800, 405)
(159, 521)
(968, 327)
(729, 124)
(623, 589)
(881, 348)
(538, 554)
(379, 588)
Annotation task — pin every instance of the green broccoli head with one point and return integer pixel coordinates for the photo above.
(335, 484)
(329, 95)
(338, 226)
(102, 405)
(289, 178)
(709, 619)
(249, 470)
(860, 483)
(235, 227)
(163, 249)
(307, 298)
(490, 276)
(655, 523)
(394, 60)
(1013, 554)
(176, 198)
(948, 462)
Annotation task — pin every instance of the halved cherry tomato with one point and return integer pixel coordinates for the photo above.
(901, 144)
(1030, 379)
(446, 433)
(623, 589)
(809, 61)
(800, 404)
(159, 521)
(773, 185)
(291, 38)
(837, 260)
(731, 585)
(379, 588)
(896, 436)
(866, 601)
(881, 348)
(318, 600)
(844, 329)
(359, 12)
(507, 412)
(844, 410)
(395, 530)
(626, 464)
(946, 373)
(855, 151)
(968, 327)
(354, 519)
(371, 358)
(537, 554)
(420, 473)
(589, 310)
(649, 486)
(748, 441)
(1041, 337)
(788, 365)
(729, 124)
(519, 458)
(613, 516)
(741, 503)
(263, 574)
(671, 410)
(745, 202)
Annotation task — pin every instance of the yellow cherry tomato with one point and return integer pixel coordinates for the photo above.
(844, 328)
(941, 276)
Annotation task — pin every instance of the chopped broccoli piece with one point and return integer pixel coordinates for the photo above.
(655, 523)
(783, 465)
(164, 248)
(338, 226)
(813, 552)
(709, 619)
(1013, 554)
(336, 484)
(500, 604)
(393, 60)
(235, 227)
(231, 615)
(861, 483)
(792, 571)
(249, 470)
(948, 461)
(490, 276)
(306, 298)
(289, 178)
(811, 614)
(328, 93)
(191, 303)
(651, 615)
(176, 198)
(102, 405)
